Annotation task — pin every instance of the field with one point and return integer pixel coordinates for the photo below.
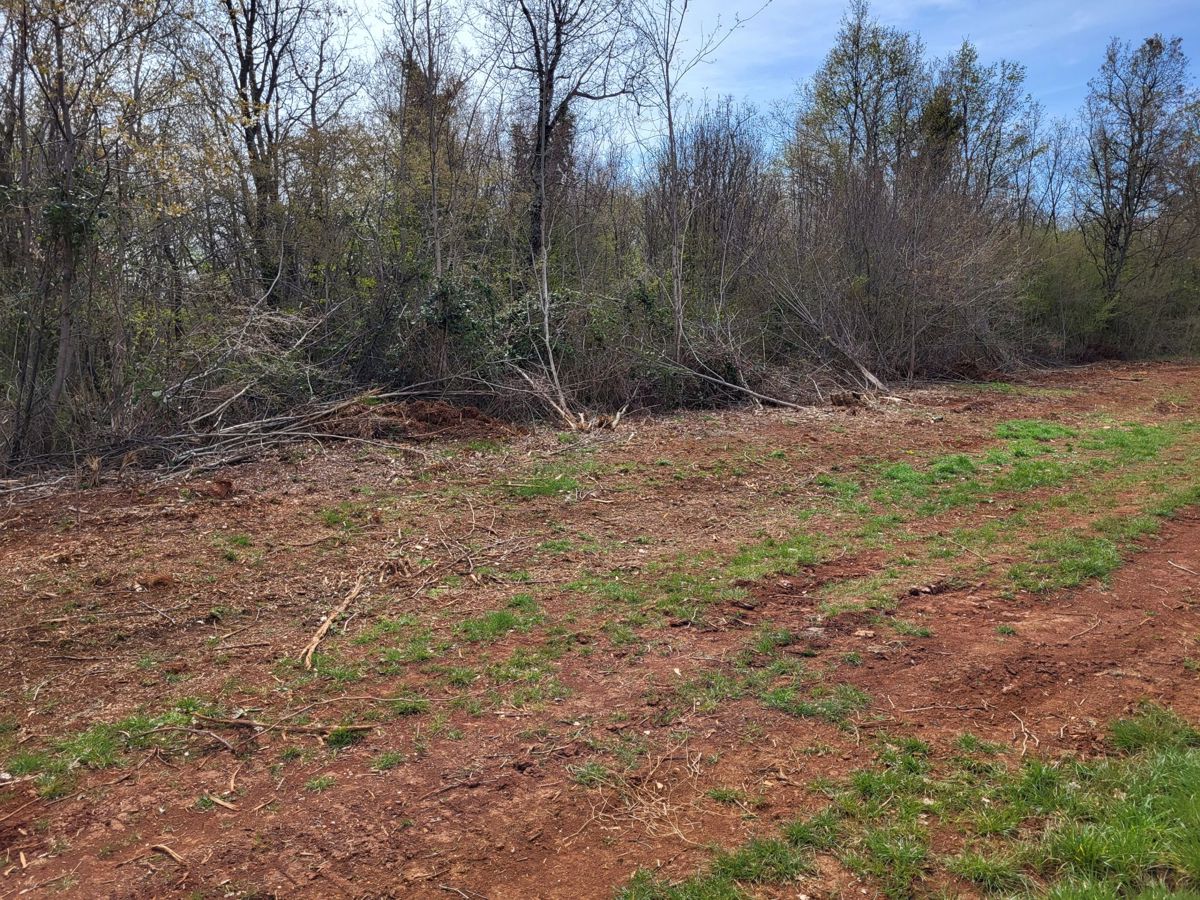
(945, 642)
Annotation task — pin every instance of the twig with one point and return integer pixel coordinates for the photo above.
(1182, 568)
(307, 654)
(268, 726)
(1026, 734)
(1091, 627)
(9, 815)
(200, 731)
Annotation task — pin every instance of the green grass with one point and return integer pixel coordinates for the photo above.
(734, 797)
(490, 627)
(103, 745)
(591, 774)
(409, 704)
(1065, 561)
(1124, 825)
(1131, 443)
(387, 760)
(1152, 727)
(1033, 430)
(834, 705)
(385, 628)
(348, 516)
(340, 738)
(545, 481)
(760, 861)
(421, 646)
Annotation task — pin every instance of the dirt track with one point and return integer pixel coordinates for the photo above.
(127, 599)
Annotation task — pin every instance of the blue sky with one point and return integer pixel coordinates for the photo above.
(1061, 42)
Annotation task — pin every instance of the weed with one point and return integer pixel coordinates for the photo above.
(340, 738)
(348, 516)
(590, 774)
(496, 624)
(734, 797)
(819, 832)
(409, 705)
(832, 705)
(908, 629)
(384, 628)
(388, 759)
(1152, 727)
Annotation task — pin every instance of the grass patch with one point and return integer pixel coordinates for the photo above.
(498, 623)
(1033, 430)
(388, 760)
(104, 745)
(1127, 825)
(545, 481)
(834, 705)
(1065, 561)
(320, 784)
(1131, 443)
(347, 516)
(759, 862)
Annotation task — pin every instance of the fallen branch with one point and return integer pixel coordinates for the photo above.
(688, 370)
(150, 851)
(163, 848)
(1087, 630)
(311, 648)
(268, 726)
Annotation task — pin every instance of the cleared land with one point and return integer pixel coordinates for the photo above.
(925, 644)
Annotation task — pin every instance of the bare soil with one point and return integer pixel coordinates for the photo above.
(124, 599)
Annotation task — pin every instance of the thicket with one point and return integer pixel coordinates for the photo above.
(215, 210)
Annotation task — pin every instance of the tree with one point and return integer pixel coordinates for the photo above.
(1133, 119)
(561, 52)
(63, 104)
(660, 28)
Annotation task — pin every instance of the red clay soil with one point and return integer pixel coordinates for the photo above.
(129, 597)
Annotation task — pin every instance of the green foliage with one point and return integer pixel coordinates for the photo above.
(590, 774)
(819, 832)
(495, 625)
(348, 516)
(409, 704)
(832, 705)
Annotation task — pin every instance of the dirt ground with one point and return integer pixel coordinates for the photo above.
(528, 729)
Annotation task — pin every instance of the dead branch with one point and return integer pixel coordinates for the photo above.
(268, 726)
(311, 648)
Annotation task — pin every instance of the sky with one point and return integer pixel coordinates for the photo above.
(1061, 42)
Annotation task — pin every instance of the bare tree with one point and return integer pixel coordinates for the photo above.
(1132, 120)
(561, 52)
(660, 26)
